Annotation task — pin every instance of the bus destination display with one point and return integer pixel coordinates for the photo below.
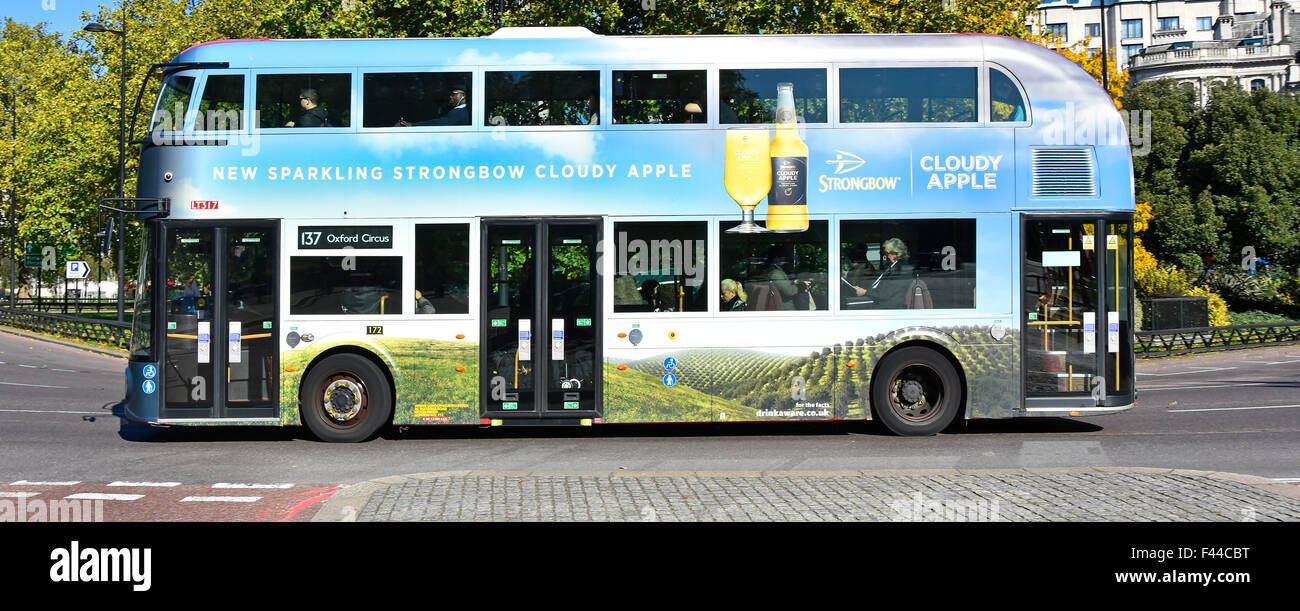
(345, 236)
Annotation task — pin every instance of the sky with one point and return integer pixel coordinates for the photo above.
(62, 15)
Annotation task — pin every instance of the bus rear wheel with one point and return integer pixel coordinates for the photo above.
(916, 392)
(345, 399)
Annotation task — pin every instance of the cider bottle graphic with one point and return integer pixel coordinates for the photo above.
(787, 202)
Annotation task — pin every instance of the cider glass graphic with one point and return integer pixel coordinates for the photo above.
(748, 172)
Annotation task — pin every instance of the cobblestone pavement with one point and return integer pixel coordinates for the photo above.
(1012, 495)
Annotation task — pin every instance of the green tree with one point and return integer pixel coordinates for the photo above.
(419, 18)
(65, 91)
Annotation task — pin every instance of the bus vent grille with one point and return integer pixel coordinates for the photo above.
(1065, 173)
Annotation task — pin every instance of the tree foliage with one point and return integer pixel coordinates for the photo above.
(1220, 178)
(65, 93)
(420, 18)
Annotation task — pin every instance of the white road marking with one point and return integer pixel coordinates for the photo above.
(143, 484)
(221, 499)
(17, 495)
(1288, 480)
(64, 370)
(1227, 409)
(32, 385)
(1180, 373)
(278, 486)
(1151, 388)
(28, 366)
(100, 496)
(53, 411)
(23, 482)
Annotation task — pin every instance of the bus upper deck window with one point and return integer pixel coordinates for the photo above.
(543, 97)
(749, 96)
(908, 95)
(1007, 105)
(304, 100)
(404, 99)
(173, 101)
(659, 96)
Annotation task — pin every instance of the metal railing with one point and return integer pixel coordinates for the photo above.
(107, 331)
(1210, 53)
(1167, 342)
(67, 304)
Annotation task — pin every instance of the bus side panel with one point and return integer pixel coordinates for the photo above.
(428, 387)
(820, 382)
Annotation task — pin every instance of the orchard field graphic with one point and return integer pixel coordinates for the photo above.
(713, 385)
(742, 385)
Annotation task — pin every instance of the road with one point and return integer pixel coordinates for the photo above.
(61, 433)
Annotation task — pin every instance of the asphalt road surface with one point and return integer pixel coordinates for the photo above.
(61, 429)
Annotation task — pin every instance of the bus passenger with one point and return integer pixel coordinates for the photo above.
(733, 296)
(647, 290)
(313, 115)
(779, 281)
(593, 110)
(457, 115)
(889, 287)
(422, 305)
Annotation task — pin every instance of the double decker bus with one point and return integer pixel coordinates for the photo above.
(535, 228)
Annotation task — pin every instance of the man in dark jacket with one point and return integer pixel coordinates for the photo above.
(313, 115)
(458, 115)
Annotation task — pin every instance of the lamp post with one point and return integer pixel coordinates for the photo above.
(1105, 52)
(121, 162)
(13, 204)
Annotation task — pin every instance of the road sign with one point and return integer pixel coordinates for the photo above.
(76, 270)
(32, 254)
(43, 255)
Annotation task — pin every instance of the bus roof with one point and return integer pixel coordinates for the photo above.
(1044, 73)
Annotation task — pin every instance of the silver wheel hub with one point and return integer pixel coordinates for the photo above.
(342, 400)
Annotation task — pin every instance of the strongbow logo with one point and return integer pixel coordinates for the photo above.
(203, 205)
(845, 162)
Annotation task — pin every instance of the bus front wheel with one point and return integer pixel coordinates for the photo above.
(916, 391)
(346, 399)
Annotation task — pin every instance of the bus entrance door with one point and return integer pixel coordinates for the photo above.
(220, 351)
(540, 321)
(1077, 316)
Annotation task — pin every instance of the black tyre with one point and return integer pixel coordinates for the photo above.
(916, 391)
(345, 399)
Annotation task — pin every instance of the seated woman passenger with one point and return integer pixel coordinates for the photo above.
(733, 296)
(888, 287)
